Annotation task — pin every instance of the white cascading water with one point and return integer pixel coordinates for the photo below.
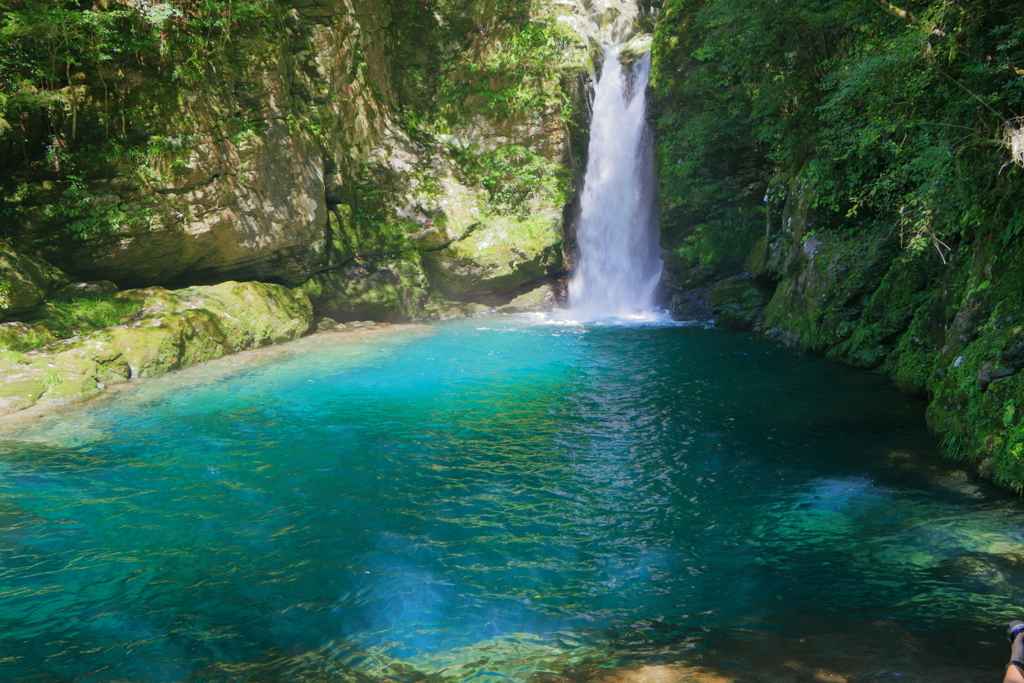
(619, 262)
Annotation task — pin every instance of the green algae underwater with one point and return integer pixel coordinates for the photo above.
(498, 499)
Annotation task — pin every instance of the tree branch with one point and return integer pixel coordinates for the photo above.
(897, 12)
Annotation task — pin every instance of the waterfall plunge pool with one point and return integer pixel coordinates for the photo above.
(502, 499)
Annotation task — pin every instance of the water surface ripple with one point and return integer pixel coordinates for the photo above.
(554, 491)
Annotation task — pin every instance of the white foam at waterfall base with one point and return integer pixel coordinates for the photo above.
(619, 264)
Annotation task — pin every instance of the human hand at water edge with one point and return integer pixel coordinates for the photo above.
(1015, 669)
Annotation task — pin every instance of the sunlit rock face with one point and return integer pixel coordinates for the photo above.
(24, 281)
(170, 330)
(247, 209)
(609, 22)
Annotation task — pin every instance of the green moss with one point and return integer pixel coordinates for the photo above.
(516, 178)
(901, 292)
(718, 245)
(756, 262)
(737, 303)
(388, 291)
(913, 361)
(24, 281)
(171, 329)
(498, 256)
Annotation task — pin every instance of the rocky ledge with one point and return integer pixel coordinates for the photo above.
(171, 330)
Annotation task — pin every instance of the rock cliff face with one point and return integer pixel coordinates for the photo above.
(344, 139)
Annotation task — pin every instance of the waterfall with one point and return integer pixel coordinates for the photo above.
(619, 264)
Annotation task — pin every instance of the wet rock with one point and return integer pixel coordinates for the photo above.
(540, 299)
(690, 304)
(442, 309)
(756, 263)
(990, 372)
(96, 287)
(389, 291)
(187, 326)
(1014, 357)
(812, 245)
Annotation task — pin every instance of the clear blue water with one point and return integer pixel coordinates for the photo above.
(494, 486)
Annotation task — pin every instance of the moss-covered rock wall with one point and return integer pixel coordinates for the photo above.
(852, 165)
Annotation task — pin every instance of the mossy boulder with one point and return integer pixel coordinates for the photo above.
(20, 386)
(67, 372)
(24, 281)
(756, 263)
(902, 291)
(500, 255)
(538, 299)
(821, 297)
(386, 290)
(978, 404)
(183, 327)
(977, 373)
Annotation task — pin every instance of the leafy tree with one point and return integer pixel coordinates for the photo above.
(891, 113)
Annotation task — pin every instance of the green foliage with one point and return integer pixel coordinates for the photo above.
(373, 229)
(722, 243)
(81, 208)
(955, 445)
(518, 76)
(49, 46)
(513, 176)
(492, 58)
(902, 119)
(67, 72)
(469, 72)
